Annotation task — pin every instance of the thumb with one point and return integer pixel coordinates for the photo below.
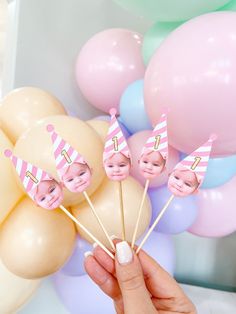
(129, 274)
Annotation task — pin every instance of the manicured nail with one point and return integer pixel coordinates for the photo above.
(113, 237)
(88, 253)
(95, 245)
(124, 253)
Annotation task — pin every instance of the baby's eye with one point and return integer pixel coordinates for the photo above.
(177, 178)
(145, 162)
(42, 199)
(110, 166)
(188, 184)
(70, 180)
(52, 189)
(82, 173)
(156, 165)
(122, 165)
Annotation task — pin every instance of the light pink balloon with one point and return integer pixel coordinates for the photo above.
(136, 143)
(194, 73)
(107, 64)
(217, 213)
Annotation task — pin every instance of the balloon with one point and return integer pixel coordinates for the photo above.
(193, 72)
(35, 242)
(231, 6)
(107, 204)
(100, 126)
(132, 110)
(136, 143)
(216, 211)
(107, 64)
(219, 171)
(170, 10)
(78, 134)
(14, 291)
(161, 247)
(180, 214)
(81, 296)
(34, 104)
(75, 265)
(154, 37)
(9, 191)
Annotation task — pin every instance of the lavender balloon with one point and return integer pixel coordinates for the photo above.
(180, 214)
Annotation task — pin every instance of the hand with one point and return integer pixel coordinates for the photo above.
(137, 284)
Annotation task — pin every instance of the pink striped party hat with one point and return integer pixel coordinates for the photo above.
(197, 161)
(115, 141)
(29, 174)
(158, 140)
(64, 154)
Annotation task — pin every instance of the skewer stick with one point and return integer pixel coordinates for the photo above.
(139, 213)
(99, 220)
(155, 223)
(86, 231)
(122, 211)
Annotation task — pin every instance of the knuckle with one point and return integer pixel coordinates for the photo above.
(132, 281)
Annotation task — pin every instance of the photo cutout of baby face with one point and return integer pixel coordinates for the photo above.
(183, 182)
(151, 164)
(48, 194)
(117, 167)
(77, 177)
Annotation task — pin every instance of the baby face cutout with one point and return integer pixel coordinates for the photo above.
(77, 177)
(48, 194)
(183, 182)
(117, 167)
(151, 164)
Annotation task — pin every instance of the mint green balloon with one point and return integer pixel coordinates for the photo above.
(171, 10)
(154, 37)
(229, 7)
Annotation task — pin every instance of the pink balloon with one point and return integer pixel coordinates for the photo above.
(194, 73)
(136, 143)
(217, 214)
(107, 64)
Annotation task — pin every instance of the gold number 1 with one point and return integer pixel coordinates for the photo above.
(115, 140)
(31, 176)
(157, 142)
(196, 162)
(66, 156)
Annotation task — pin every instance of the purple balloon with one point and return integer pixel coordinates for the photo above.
(81, 296)
(75, 265)
(161, 247)
(180, 214)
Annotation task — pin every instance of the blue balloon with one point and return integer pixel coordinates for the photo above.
(180, 214)
(132, 108)
(219, 171)
(161, 248)
(75, 265)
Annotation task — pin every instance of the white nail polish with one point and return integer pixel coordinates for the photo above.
(124, 253)
(88, 253)
(95, 245)
(113, 237)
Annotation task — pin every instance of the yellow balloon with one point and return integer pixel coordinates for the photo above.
(14, 291)
(101, 127)
(35, 146)
(35, 242)
(10, 193)
(22, 107)
(107, 204)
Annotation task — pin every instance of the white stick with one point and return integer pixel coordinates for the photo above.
(122, 211)
(139, 213)
(99, 220)
(86, 231)
(155, 223)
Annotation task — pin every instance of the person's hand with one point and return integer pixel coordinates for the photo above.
(137, 284)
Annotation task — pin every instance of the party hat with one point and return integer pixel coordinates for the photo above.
(158, 140)
(197, 161)
(29, 174)
(115, 141)
(64, 154)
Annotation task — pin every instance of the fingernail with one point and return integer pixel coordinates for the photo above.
(95, 245)
(124, 253)
(113, 237)
(88, 253)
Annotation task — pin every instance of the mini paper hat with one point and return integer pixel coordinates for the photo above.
(64, 154)
(115, 141)
(158, 140)
(197, 161)
(29, 174)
